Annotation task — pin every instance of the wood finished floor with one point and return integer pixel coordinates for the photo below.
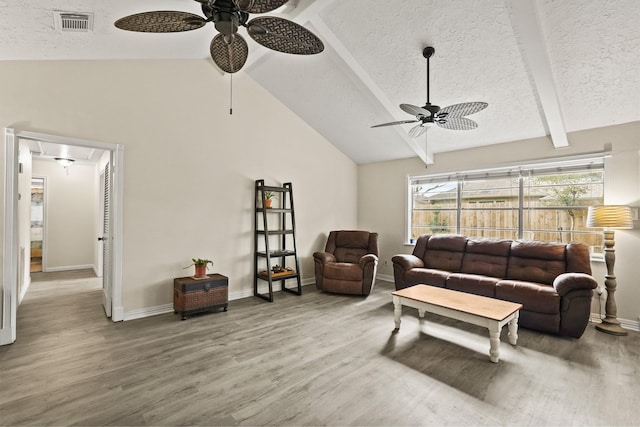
(315, 359)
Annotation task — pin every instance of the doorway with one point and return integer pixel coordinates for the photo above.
(112, 289)
(37, 224)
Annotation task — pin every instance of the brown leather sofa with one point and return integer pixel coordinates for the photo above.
(551, 280)
(349, 262)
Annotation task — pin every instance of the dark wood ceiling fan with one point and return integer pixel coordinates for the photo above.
(451, 117)
(228, 48)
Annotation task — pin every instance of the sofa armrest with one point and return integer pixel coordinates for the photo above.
(568, 282)
(324, 257)
(320, 259)
(401, 264)
(407, 262)
(369, 265)
(367, 260)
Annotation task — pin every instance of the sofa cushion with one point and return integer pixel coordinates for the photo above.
(349, 255)
(421, 246)
(472, 283)
(426, 276)
(352, 239)
(486, 257)
(342, 271)
(578, 260)
(444, 252)
(534, 297)
(539, 262)
(350, 245)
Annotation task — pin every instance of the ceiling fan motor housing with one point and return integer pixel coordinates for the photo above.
(226, 22)
(433, 109)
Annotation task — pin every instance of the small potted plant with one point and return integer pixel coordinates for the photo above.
(201, 267)
(268, 197)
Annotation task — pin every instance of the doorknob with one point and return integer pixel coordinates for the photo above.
(100, 239)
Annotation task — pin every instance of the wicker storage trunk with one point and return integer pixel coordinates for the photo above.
(192, 295)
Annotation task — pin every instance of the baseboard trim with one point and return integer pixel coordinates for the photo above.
(5, 336)
(148, 311)
(68, 267)
(384, 277)
(168, 308)
(117, 313)
(632, 325)
(120, 314)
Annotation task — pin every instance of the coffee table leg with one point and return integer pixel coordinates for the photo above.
(494, 342)
(397, 311)
(513, 330)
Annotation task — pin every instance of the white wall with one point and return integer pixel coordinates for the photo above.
(70, 212)
(382, 190)
(189, 166)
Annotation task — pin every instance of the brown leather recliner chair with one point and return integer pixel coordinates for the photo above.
(348, 264)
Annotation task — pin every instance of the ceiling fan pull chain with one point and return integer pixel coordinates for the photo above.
(231, 96)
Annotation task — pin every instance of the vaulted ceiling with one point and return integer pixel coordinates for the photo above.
(546, 67)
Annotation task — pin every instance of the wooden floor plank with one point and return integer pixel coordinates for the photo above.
(315, 359)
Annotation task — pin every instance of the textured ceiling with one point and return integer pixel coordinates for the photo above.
(546, 67)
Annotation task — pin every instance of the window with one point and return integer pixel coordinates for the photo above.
(545, 202)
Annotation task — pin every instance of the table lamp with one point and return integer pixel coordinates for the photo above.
(610, 217)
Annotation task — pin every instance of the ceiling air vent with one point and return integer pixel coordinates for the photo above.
(73, 21)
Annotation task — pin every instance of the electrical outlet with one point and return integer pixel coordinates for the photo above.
(599, 291)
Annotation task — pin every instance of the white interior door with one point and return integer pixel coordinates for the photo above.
(105, 265)
(100, 226)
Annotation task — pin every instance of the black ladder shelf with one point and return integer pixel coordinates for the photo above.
(279, 221)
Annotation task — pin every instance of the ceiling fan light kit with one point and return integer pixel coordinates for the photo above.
(451, 117)
(228, 49)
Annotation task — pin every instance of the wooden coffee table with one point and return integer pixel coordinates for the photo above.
(491, 313)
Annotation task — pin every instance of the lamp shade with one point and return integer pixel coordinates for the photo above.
(609, 216)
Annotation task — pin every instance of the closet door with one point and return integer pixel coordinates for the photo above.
(105, 181)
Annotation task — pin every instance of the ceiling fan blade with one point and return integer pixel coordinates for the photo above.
(464, 109)
(417, 130)
(457, 123)
(283, 35)
(399, 122)
(260, 6)
(161, 21)
(229, 52)
(414, 110)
